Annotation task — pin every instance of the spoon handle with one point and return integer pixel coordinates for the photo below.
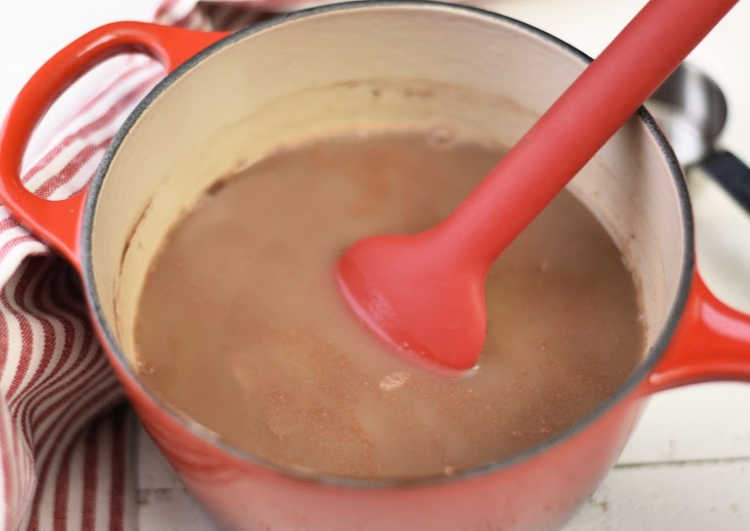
(588, 113)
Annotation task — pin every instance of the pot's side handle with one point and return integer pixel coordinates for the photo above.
(712, 342)
(57, 222)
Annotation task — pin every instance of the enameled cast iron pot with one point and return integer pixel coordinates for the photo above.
(231, 98)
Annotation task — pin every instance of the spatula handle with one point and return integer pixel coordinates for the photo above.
(588, 113)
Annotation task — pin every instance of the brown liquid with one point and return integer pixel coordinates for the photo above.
(241, 325)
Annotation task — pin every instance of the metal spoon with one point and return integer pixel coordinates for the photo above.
(692, 111)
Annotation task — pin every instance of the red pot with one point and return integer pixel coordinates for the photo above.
(230, 97)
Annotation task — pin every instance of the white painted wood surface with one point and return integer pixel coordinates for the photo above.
(687, 465)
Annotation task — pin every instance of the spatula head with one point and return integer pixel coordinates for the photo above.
(415, 298)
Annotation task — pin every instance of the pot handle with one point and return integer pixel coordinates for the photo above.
(57, 222)
(712, 342)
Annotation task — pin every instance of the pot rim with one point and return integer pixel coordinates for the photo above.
(116, 354)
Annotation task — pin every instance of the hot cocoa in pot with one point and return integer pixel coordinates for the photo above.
(242, 327)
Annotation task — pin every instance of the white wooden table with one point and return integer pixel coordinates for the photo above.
(687, 465)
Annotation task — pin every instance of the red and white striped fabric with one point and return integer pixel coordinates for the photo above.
(65, 433)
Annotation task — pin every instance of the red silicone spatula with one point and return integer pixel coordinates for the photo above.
(424, 293)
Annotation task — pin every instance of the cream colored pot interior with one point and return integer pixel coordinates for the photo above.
(375, 67)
